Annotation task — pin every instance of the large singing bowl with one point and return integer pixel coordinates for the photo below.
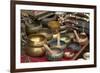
(36, 40)
(35, 51)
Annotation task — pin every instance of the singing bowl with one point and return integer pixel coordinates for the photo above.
(35, 51)
(46, 32)
(31, 28)
(48, 19)
(82, 15)
(83, 38)
(81, 24)
(53, 43)
(54, 25)
(66, 39)
(68, 54)
(63, 29)
(56, 54)
(71, 34)
(74, 46)
(36, 40)
(70, 21)
(86, 55)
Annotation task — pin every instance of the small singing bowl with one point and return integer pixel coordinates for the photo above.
(48, 19)
(32, 28)
(68, 54)
(53, 43)
(74, 46)
(36, 40)
(71, 34)
(66, 39)
(54, 25)
(83, 39)
(56, 54)
(46, 32)
(35, 51)
(86, 55)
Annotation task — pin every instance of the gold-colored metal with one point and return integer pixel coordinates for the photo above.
(54, 25)
(46, 32)
(81, 38)
(36, 40)
(35, 51)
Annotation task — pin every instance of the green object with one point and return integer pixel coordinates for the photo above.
(55, 56)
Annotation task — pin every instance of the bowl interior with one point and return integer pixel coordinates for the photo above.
(45, 31)
(74, 46)
(54, 42)
(36, 38)
(55, 51)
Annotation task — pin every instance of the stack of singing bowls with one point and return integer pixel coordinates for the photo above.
(35, 45)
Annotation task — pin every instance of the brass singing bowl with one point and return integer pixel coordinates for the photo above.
(54, 25)
(36, 40)
(70, 34)
(35, 51)
(46, 32)
(68, 54)
(32, 28)
(83, 38)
